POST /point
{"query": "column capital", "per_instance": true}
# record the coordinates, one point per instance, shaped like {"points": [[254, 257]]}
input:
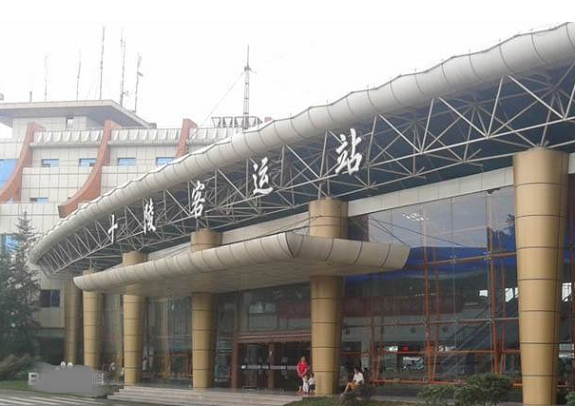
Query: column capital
{"points": [[204, 239], [540, 165], [328, 218], [134, 257]]}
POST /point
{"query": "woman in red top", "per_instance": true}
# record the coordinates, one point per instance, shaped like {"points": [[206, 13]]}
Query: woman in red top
{"points": [[302, 370]]}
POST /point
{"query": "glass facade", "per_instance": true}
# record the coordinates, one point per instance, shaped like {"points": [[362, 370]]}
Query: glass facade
{"points": [[451, 312], [6, 168]]}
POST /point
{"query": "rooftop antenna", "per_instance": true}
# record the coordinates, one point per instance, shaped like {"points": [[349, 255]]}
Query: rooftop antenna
{"points": [[247, 71], [138, 76], [46, 77], [102, 60], [78, 75], [123, 49]]}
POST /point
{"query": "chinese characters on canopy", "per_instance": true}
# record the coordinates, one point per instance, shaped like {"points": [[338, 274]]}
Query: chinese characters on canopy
{"points": [[348, 161]]}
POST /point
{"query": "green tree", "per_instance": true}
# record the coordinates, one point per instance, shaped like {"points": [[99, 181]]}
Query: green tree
{"points": [[19, 291]]}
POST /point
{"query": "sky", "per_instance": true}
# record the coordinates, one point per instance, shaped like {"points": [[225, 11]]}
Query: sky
{"points": [[193, 53]]}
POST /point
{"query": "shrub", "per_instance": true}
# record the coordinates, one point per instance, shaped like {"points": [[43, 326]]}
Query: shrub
{"points": [[437, 395], [495, 387], [362, 394], [470, 395], [570, 399], [12, 366]]}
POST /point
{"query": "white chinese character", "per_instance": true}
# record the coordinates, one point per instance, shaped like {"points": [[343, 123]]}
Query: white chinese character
{"points": [[349, 158], [261, 178], [149, 216], [98, 378], [113, 228], [198, 200]]}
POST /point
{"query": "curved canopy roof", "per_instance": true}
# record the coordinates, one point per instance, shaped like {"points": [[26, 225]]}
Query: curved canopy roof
{"points": [[274, 260], [520, 54]]}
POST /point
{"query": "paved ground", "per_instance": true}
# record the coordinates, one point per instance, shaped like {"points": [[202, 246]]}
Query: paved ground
{"points": [[9, 397]]}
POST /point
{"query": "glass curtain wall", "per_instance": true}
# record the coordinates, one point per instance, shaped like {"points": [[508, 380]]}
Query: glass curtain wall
{"points": [[452, 311]]}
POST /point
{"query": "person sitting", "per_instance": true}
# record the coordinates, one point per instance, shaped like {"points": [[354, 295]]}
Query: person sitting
{"points": [[356, 381]]}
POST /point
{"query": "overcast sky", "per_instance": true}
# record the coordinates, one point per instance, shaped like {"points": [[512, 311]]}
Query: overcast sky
{"points": [[302, 53]]}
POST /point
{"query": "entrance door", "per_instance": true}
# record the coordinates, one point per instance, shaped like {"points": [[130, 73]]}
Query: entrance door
{"points": [[271, 365], [254, 365], [287, 355]]}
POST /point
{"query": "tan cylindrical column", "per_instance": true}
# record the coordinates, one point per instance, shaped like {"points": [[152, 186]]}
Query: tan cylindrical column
{"points": [[92, 307], [328, 218], [202, 339], [541, 188], [203, 325], [204, 239], [133, 326], [71, 321]]}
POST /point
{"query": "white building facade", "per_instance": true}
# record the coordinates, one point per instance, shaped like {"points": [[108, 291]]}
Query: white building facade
{"points": [[63, 154]]}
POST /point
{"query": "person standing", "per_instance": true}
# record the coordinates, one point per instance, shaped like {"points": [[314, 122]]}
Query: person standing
{"points": [[145, 368], [302, 370]]}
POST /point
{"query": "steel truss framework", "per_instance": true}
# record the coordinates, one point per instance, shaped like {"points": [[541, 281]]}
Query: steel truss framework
{"points": [[446, 137]]}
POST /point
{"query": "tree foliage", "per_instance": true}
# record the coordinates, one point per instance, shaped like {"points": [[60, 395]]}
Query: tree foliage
{"points": [[19, 291]]}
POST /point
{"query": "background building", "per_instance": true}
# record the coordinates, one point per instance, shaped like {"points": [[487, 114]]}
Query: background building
{"points": [[62, 154]]}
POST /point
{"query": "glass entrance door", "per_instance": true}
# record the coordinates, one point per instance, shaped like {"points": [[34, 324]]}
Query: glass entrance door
{"points": [[255, 364], [271, 365]]}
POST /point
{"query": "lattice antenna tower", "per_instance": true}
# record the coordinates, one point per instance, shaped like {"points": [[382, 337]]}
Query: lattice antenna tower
{"points": [[247, 71]]}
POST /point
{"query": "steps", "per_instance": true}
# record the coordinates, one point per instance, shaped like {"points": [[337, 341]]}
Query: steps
{"points": [[201, 397]]}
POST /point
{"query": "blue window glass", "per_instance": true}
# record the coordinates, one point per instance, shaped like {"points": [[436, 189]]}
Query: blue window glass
{"points": [[49, 298], [9, 242], [6, 169], [126, 161], [163, 160], [50, 163], [87, 162], [39, 199]]}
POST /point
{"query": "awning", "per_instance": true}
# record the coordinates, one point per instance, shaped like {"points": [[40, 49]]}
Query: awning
{"points": [[274, 260]]}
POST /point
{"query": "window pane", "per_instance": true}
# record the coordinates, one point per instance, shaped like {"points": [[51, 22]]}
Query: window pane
{"points": [[55, 298], [163, 160], [39, 199], [6, 168], [50, 163], [87, 162], [126, 161], [45, 298], [9, 242]]}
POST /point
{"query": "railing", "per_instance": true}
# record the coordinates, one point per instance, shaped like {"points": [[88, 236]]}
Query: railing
{"points": [[80, 136]]}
